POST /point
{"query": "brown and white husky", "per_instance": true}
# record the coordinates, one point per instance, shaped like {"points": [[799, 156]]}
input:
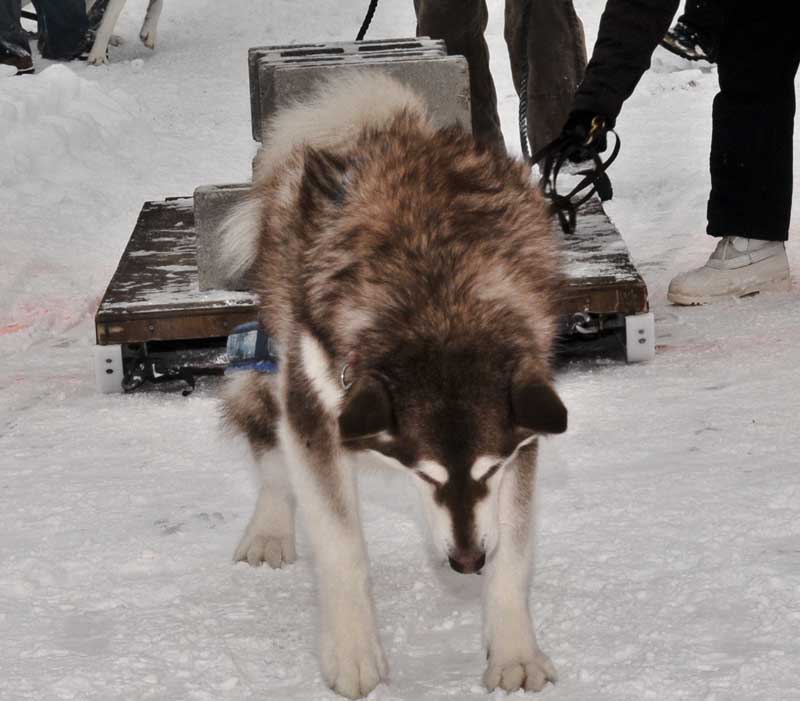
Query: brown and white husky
{"points": [[408, 278]]}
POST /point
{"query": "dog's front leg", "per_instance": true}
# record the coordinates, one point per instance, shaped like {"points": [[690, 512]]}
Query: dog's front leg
{"points": [[150, 25], [98, 53], [352, 659], [514, 658]]}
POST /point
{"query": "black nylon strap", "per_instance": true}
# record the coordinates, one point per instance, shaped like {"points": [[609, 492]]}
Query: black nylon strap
{"points": [[367, 20], [556, 153], [553, 157]]}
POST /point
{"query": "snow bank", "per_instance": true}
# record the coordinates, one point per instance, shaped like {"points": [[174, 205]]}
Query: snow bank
{"points": [[65, 141], [54, 124]]}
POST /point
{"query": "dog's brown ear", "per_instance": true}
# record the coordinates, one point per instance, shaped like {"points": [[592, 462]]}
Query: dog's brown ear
{"points": [[536, 406], [367, 409], [325, 176]]}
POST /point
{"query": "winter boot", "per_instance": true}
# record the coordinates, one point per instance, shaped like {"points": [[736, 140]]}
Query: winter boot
{"points": [[23, 64], [738, 267], [689, 43]]}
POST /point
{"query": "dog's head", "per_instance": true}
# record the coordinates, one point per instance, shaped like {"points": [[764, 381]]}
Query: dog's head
{"points": [[456, 421]]}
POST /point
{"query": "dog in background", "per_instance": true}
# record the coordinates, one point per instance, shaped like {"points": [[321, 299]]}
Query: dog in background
{"points": [[99, 51], [408, 278]]}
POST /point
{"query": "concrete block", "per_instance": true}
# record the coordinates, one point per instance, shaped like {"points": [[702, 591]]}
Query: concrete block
{"points": [[443, 82], [212, 203], [279, 75], [322, 53]]}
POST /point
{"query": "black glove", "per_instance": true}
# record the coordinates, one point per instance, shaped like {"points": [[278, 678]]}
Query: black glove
{"points": [[585, 133], [582, 139]]}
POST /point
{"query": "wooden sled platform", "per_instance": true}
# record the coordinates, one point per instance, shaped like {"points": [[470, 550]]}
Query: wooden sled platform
{"points": [[154, 303], [600, 276], [155, 296]]}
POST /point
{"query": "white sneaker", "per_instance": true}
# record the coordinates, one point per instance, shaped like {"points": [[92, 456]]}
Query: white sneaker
{"points": [[738, 267]]}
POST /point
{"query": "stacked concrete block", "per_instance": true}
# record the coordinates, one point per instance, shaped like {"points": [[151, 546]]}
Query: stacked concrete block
{"points": [[264, 60], [280, 75]]}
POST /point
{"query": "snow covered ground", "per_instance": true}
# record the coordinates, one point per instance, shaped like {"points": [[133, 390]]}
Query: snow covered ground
{"points": [[668, 547]]}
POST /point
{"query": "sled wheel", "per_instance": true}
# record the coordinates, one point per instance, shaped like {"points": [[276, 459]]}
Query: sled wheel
{"points": [[640, 337]]}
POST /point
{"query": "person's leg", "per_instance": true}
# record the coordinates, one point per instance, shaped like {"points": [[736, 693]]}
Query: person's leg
{"points": [[695, 36], [753, 122], [556, 53], [13, 41], [703, 15], [751, 158], [461, 24], [63, 27]]}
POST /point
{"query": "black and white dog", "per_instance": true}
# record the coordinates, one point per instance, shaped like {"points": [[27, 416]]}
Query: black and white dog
{"points": [[408, 277]]}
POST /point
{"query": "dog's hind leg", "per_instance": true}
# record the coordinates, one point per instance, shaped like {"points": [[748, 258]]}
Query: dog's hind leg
{"points": [[514, 658], [150, 25], [352, 659], [251, 409]]}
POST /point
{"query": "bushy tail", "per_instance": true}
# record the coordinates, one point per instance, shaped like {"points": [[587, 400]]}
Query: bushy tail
{"points": [[239, 239], [330, 119], [337, 112]]}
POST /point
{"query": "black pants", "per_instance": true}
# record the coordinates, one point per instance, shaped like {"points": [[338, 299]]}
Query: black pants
{"points": [[556, 55], [753, 121], [62, 28], [703, 15], [12, 39]]}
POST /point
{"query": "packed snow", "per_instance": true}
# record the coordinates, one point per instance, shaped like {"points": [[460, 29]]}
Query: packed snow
{"points": [[668, 531]]}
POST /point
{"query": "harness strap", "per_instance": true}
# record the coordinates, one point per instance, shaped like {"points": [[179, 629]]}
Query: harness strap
{"points": [[553, 157], [367, 20]]}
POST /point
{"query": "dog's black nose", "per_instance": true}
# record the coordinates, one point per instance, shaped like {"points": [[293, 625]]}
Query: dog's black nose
{"points": [[467, 562]]}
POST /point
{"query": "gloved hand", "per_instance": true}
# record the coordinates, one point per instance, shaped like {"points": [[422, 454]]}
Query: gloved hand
{"points": [[582, 139], [585, 132]]}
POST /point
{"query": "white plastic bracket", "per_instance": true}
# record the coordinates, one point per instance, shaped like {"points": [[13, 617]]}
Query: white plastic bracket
{"points": [[640, 337], [108, 371]]}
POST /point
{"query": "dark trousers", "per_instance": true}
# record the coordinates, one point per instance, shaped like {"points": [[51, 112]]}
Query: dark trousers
{"points": [[703, 15], [12, 39], [62, 28], [753, 121], [556, 59]]}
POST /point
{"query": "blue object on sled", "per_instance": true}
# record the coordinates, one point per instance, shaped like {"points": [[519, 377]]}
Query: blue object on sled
{"points": [[251, 348]]}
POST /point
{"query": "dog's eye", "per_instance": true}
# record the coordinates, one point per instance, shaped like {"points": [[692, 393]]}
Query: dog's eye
{"points": [[490, 472], [427, 478]]}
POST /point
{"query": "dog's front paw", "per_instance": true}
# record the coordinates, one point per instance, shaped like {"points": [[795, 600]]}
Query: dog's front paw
{"points": [[353, 664], [276, 551], [96, 58], [530, 671]]}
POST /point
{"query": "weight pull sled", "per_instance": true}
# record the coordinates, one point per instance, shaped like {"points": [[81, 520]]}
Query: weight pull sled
{"points": [[165, 318]]}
